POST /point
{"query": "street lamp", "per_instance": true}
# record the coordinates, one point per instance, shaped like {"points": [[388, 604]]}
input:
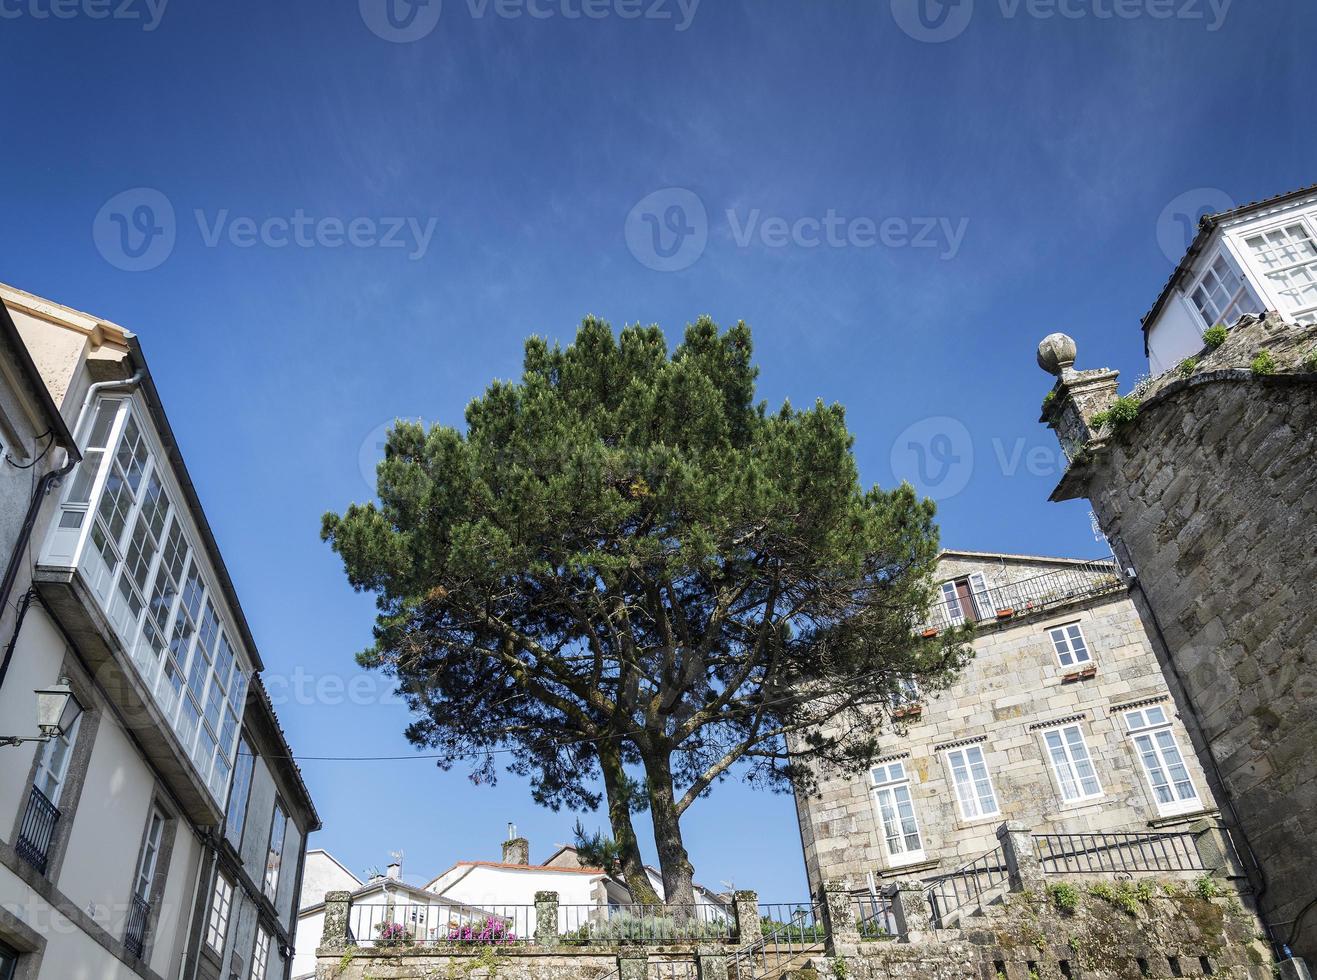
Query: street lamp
{"points": [[57, 710]]}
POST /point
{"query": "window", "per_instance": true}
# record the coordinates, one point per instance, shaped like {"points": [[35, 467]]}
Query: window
{"points": [[1288, 258], [896, 813], [53, 763], [153, 587], [1071, 650], [967, 598], [905, 692], [1075, 775], [146, 865], [1222, 294], [969, 774], [261, 955], [221, 902], [8, 962], [236, 815], [278, 829], [1163, 765]]}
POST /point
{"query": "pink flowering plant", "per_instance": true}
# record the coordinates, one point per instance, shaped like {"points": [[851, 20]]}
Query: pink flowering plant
{"points": [[393, 934], [491, 931]]}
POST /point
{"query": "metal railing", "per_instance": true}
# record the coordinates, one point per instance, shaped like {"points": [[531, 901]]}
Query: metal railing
{"points": [[1116, 853], [788, 934], [653, 925], [38, 831], [874, 917], [134, 936], [1028, 595], [968, 886], [438, 923]]}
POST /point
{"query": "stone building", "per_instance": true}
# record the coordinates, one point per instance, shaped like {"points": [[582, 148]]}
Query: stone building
{"points": [[156, 830], [1063, 721], [1204, 482]]}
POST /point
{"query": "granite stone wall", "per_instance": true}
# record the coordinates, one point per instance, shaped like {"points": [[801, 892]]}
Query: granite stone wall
{"points": [[1168, 930], [1009, 692], [1210, 495]]}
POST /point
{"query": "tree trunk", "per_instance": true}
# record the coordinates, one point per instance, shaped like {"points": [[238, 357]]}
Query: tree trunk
{"points": [[674, 864], [624, 834]]}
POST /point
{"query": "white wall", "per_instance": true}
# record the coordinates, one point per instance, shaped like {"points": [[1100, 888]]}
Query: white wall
{"points": [[310, 926], [324, 874]]}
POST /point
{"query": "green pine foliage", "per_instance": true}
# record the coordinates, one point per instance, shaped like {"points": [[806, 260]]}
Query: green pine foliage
{"points": [[623, 559]]}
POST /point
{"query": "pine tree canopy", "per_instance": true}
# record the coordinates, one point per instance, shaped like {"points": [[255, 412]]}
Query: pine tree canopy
{"points": [[623, 558]]}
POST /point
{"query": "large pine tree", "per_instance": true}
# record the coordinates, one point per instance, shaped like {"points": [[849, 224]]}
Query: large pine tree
{"points": [[624, 564]]}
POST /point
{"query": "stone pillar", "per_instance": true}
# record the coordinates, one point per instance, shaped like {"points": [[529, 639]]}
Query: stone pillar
{"points": [[1294, 969], [1022, 864], [1077, 395], [711, 962], [1213, 847], [633, 964], [746, 904], [334, 936], [910, 908], [839, 915], [546, 918]]}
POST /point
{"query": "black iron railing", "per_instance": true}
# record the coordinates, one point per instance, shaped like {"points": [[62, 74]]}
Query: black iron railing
{"points": [[134, 937], [1076, 581], [966, 887], [1062, 854], [643, 924], [38, 831], [874, 916], [788, 934], [437, 923]]}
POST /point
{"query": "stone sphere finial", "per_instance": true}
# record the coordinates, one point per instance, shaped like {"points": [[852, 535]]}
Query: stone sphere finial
{"points": [[1056, 353]]}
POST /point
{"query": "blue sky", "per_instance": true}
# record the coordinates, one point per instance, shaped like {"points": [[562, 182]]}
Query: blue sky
{"points": [[961, 197]]}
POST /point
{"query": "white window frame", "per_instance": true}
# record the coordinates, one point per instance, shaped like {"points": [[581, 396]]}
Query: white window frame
{"points": [[1209, 279], [261, 954], [150, 857], [1150, 728], [1063, 645], [1071, 776], [221, 908], [124, 569], [892, 790], [53, 761], [1302, 314], [980, 597], [274, 855], [975, 794]]}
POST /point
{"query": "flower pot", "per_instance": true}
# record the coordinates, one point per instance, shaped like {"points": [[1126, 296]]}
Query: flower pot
{"points": [[930, 632], [1006, 613]]}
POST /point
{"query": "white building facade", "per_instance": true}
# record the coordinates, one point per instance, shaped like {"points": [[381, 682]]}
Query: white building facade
{"points": [[116, 845], [1254, 258]]}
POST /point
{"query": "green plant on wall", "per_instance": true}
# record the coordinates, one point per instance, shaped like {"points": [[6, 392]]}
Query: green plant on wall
{"points": [[1207, 888], [1064, 896], [1215, 336], [1187, 367], [1127, 897], [1264, 363], [1122, 412], [1310, 360], [1051, 397]]}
